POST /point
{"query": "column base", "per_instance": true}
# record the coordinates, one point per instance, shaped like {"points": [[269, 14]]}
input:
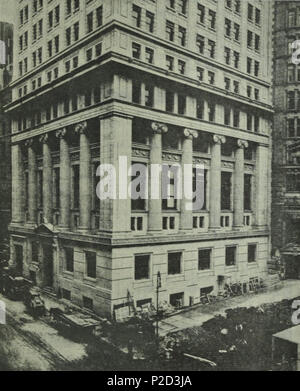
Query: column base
{"points": [[83, 230]]}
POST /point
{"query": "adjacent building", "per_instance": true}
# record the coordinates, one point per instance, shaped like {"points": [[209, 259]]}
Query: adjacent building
{"points": [[286, 147], [157, 82], [6, 66]]}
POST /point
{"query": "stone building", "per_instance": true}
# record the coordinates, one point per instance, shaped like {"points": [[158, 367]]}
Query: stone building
{"points": [[286, 148], [155, 81], [6, 66]]}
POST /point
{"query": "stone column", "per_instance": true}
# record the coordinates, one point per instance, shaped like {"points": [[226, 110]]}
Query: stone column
{"points": [[155, 207], [32, 183], [47, 179], [65, 179], [85, 178], [17, 184], [186, 216], [215, 183], [238, 198], [262, 186], [115, 152]]}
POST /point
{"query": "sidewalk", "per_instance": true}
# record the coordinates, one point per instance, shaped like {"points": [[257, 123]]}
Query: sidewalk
{"points": [[196, 316]]}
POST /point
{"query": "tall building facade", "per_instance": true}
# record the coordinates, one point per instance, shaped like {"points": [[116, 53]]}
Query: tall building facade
{"points": [[286, 149], [6, 67], [156, 82]]}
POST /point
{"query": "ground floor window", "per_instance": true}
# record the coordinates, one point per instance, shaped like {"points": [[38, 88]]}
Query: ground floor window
{"points": [[88, 303], [90, 258], [174, 263], [176, 299], [204, 259], [230, 259], [252, 248], [206, 291], [69, 259], [142, 267], [66, 294]]}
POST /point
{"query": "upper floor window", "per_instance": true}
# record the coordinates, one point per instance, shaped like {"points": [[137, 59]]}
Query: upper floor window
{"points": [[212, 19], [183, 6], [250, 12], [170, 30], [200, 13], [136, 15], [150, 21]]}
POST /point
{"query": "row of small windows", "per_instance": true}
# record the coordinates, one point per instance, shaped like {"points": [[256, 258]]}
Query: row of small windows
{"points": [[91, 53], [142, 263]]}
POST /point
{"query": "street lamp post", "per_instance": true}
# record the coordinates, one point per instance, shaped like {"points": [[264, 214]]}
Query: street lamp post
{"points": [[158, 286]]}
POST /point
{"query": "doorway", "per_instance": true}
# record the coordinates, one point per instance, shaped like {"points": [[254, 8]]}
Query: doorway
{"points": [[48, 265]]}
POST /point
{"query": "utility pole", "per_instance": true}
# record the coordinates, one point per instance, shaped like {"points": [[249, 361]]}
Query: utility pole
{"points": [[158, 286]]}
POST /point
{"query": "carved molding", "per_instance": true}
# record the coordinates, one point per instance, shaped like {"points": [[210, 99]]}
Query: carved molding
{"points": [[44, 138], [159, 128], [81, 128], [190, 134], [242, 144], [61, 133], [171, 157], [137, 152], [219, 139]]}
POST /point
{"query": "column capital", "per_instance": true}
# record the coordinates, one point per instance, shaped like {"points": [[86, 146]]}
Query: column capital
{"points": [[44, 138], [81, 128], [217, 139], [242, 144], [159, 128], [61, 133], [190, 134], [29, 143]]}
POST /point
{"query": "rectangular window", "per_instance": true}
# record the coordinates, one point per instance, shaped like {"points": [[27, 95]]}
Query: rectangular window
{"points": [[252, 249], [90, 259], [201, 13], [136, 50], [228, 28], [68, 36], [249, 121], [182, 35], [230, 259], [249, 39], [170, 28], [236, 118], [249, 65], [169, 101], [200, 73], [250, 12], [99, 16], [183, 6], [76, 31], [69, 259], [211, 111], [236, 32], [227, 114], [200, 43], [136, 15], [226, 190], [212, 19], [204, 259], [257, 16], [149, 55], [141, 267], [211, 77], [56, 197], [211, 48], [76, 179], [90, 19], [174, 263], [136, 92], [87, 303], [181, 67], [150, 21], [149, 95], [247, 192], [227, 55], [66, 294]]}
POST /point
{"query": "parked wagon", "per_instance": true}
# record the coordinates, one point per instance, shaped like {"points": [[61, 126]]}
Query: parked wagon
{"points": [[74, 323]]}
